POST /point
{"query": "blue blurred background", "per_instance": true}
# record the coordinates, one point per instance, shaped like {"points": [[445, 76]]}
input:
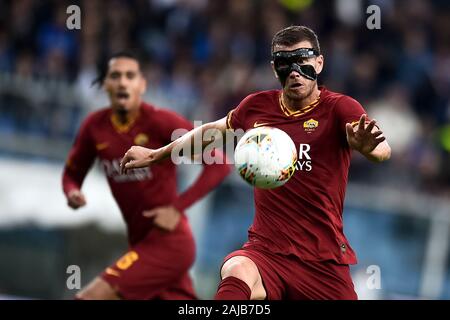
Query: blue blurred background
{"points": [[201, 58]]}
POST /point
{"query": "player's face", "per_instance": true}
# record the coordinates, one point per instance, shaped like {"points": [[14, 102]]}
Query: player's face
{"points": [[124, 84], [298, 87]]}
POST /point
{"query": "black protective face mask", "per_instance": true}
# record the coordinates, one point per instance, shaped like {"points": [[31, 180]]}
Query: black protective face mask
{"points": [[287, 61]]}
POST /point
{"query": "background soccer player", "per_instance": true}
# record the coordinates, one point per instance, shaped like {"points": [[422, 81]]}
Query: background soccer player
{"points": [[161, 244], [296, 247]]}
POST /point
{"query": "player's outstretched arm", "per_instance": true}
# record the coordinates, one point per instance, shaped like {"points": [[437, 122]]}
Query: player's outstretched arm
{"points": [[138, 157], [368, 140]]}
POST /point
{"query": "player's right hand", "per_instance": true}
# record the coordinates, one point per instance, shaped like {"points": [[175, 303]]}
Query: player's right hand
{"points": [[76, 199], [137, 157]]}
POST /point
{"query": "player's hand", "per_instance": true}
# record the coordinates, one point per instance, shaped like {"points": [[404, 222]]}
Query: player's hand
{"points": [[76, 199], [362, 137], [166, 218], [137, 157]]}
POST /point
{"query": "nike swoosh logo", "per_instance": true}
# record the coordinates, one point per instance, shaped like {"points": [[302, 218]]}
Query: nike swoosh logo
{"points": [[256, 125]]}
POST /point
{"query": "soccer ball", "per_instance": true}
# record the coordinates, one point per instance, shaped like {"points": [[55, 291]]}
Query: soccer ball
{"points": [[265, 157]]}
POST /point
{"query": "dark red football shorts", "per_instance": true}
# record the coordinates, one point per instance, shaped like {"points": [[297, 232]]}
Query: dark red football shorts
{"points": [[289, 278], [157, 267]]}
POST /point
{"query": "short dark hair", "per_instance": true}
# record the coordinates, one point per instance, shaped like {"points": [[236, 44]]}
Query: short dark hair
{"points": [[103, 65], [295, 34]]}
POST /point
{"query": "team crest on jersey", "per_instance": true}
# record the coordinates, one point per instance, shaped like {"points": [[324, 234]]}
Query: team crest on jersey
{"points": [[310, 125], [141, 139]]}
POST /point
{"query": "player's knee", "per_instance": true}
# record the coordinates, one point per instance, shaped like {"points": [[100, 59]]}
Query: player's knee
{"points": [[98, 289], [78, 296], [242, 268], [86, 295], [94, 294]]}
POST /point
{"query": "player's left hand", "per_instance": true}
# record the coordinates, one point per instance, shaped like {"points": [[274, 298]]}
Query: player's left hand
{"points": [[166, 218], [362, 137]]}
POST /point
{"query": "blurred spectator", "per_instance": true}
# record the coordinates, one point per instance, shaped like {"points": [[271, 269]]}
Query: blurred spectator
{"points": [[57, 47], [400, 125], [6, 51]]}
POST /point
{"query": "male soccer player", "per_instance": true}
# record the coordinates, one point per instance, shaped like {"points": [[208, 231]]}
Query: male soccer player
{"points": [[161, 246], [296, 247]]}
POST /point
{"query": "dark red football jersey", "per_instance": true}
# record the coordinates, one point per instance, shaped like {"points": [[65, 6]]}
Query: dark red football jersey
{"points": [[102, 136], [304, 216]]}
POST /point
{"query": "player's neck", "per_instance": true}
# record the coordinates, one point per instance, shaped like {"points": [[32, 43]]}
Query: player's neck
{"points": [[126, 117], [296, 105]]}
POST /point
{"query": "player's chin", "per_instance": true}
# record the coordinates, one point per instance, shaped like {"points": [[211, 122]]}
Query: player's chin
{"points": [[296, 93]]}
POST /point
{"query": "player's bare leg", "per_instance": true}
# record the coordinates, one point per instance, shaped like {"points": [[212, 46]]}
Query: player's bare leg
{"points": [[243, 268], [97, 289]]}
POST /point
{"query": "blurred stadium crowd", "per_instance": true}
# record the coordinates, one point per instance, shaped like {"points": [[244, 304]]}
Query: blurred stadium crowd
{"points": [[202, 57]]}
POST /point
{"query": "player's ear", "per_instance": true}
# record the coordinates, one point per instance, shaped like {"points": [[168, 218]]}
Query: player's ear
{"points": [[273, 69], [319, 64]]}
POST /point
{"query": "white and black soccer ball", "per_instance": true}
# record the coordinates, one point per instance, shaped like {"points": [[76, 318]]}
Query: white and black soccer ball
{"points": [[265, 157]]}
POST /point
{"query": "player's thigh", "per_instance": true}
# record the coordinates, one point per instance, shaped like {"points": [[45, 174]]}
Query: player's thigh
{"points": [[167, 252], [182, 289], [245, 269], [318, 280], [152, 266], [97, 289]]}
